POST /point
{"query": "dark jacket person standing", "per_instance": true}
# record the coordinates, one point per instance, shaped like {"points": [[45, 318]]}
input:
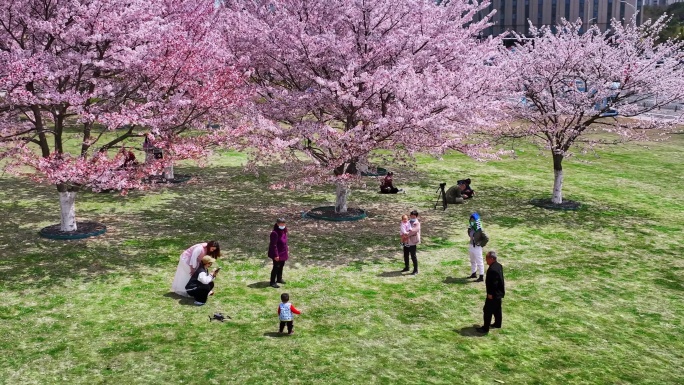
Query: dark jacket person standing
{"points": [[495, 293], [278, 252]]}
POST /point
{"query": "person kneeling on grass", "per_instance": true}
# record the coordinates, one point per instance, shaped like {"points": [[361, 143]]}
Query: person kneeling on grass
{"points": [[201, 283], [285, 314]]}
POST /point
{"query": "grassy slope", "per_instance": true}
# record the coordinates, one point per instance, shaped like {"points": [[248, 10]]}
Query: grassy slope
{"points": [[594, 296]]}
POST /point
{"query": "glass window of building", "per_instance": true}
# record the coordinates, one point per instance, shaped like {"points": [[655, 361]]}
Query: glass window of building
{"points": [[610, 13], [527, 16], [514, 15], [540, 12]]}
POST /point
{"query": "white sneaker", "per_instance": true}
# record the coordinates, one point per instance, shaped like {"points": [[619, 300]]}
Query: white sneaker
{"points": [[198, 303]]}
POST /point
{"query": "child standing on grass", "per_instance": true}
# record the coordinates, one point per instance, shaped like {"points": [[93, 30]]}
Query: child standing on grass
{"points": [[285, 313], [404, 230]]}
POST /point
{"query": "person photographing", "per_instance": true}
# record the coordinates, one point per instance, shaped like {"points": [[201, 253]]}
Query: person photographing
{"points": [[201, 284], [189, 261]]}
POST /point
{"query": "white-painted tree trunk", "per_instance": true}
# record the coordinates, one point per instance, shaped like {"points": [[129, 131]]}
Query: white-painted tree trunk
{"points": [[557, 179], [557, 187], [67, 205], [168, 172], [341, 195]]}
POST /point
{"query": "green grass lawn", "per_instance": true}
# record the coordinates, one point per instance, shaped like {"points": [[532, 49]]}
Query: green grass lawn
{"points": [[593, 296]]}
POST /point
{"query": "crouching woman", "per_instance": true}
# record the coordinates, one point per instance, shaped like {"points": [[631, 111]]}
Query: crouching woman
{"points": [[201, 283]]}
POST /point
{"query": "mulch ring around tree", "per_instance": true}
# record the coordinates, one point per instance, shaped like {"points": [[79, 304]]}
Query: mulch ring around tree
{"points": [[84, 230], [378, 172], [546, 203], [327, 213]]}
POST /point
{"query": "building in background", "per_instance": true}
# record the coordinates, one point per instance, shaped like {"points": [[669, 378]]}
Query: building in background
{"points": [[513, 15], [662, 2]]}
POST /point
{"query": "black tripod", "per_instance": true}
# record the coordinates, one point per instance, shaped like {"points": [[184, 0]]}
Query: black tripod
{"points": [[441, 197]]}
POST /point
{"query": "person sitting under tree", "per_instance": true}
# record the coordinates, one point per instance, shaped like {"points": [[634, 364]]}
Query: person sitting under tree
{"points": [[387, 184], [129, 158]]}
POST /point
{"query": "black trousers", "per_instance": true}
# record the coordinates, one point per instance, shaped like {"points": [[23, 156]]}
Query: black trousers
{"points": [[201, 292], [277, 271], [492, 307], [410, 250], [290, 325]]}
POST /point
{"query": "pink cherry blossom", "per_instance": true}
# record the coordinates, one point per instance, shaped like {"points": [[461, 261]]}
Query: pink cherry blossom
{"points": [[102, 74], [568, 84], [338, 81]]}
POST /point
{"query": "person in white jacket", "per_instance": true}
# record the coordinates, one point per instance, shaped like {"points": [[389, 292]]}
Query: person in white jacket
{"points": [[201, 283]]}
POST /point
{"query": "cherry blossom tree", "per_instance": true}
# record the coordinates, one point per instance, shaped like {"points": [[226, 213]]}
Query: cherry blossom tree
{"points": [[82, 79], [577, 88], [339, 80]]}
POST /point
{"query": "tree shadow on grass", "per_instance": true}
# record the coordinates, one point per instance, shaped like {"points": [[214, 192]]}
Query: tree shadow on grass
{"points": [[143, 231], [149, 229], [461, 281], [510, 208], [47, 263], [28, 260], [242, 214], [470, 331]]}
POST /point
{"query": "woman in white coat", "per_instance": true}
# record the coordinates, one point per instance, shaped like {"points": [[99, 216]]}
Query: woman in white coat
{"points": [[189, 261]]}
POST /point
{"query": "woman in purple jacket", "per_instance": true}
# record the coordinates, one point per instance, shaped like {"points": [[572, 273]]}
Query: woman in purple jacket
{"points": [[277, 251]]}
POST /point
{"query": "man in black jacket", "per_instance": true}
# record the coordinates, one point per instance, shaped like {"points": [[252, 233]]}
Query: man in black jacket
{"points": [[495, 292]]}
